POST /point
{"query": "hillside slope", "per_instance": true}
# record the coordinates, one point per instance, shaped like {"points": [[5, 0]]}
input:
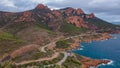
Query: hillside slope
{"points": [[41, 25]]}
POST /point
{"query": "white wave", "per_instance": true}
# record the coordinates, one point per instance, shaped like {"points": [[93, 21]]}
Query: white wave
{"points": [[82, 46], [110, 63], [81, 49], [78, 49]]}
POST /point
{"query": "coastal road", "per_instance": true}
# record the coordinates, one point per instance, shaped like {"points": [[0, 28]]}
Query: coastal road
{"points": [[43, 48], [61, 61], [52, 43], [64, 58], [55, 55]]}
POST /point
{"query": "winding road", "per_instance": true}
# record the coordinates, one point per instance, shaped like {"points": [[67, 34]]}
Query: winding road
{"points": [[55, 55], [64, 58], [52, 43]]}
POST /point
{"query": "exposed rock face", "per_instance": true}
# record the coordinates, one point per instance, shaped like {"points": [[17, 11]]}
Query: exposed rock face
{"points": [[26, 16], [69, 11], [41, 6], [56, 13], [50, 16], [77, 20], [88, 62], [79, 11], [90, 16]]}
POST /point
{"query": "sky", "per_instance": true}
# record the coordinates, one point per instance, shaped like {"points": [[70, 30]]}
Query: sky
{"points": [[108, 10]]}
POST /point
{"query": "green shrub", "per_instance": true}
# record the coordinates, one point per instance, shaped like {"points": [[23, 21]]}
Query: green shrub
{"points": [[71, 63], [71, 29], [70, 40], [62, 44], [46, 28], [10, 37], [39, 26]]}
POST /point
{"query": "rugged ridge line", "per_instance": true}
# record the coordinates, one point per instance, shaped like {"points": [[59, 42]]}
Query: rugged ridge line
{"points": [[53, 18]]}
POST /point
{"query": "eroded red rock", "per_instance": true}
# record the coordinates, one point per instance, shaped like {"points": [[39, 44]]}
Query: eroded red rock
{"points": [[56, 13], [77, 20], [69, 11], [50, 16], [90, 16], [41, 6], [79, 11], [26, 16]]}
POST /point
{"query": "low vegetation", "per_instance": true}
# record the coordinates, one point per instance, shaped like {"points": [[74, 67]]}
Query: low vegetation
{"points": [[16, 27], [70, 40], [46, 28], [9, 37], [9, 42], [102, 25], [44, 63], [7, 64], [62, 44], [33, 55], [71, 29], [71, 63]]}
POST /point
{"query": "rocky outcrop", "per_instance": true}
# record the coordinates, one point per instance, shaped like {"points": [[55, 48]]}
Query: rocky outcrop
{"points": [[79, 11], [77, 21], [69, 11], [92, 63], [90, 16], [26, 17], [41, 6], [56, 13]]}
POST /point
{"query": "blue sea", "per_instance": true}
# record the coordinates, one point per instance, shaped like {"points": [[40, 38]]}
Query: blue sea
{"points": [[107, 49]]}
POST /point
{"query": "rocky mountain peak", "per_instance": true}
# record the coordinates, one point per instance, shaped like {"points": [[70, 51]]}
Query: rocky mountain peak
{"points": [[41, 6], [79, 11]]}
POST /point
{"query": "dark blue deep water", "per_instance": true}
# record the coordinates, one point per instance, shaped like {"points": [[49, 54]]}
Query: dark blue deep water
{"points": [[108, 49]]}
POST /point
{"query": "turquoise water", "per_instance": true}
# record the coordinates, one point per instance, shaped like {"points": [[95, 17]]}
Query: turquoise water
{"points": [[108, 49]]}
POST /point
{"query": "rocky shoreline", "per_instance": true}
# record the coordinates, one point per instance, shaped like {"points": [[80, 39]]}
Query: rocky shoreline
{"points": [[89, 62]]}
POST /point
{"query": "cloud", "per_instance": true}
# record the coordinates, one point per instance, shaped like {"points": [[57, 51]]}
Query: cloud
{"points": [[105, 9], [8, 3]]}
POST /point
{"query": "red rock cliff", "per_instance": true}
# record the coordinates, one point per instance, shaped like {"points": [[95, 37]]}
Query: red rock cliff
{"points": [[77, 20], [79, 11], [26, 16]]}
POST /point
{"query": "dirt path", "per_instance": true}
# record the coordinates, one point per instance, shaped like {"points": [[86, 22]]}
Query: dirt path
{"points": [[39, 60]]}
